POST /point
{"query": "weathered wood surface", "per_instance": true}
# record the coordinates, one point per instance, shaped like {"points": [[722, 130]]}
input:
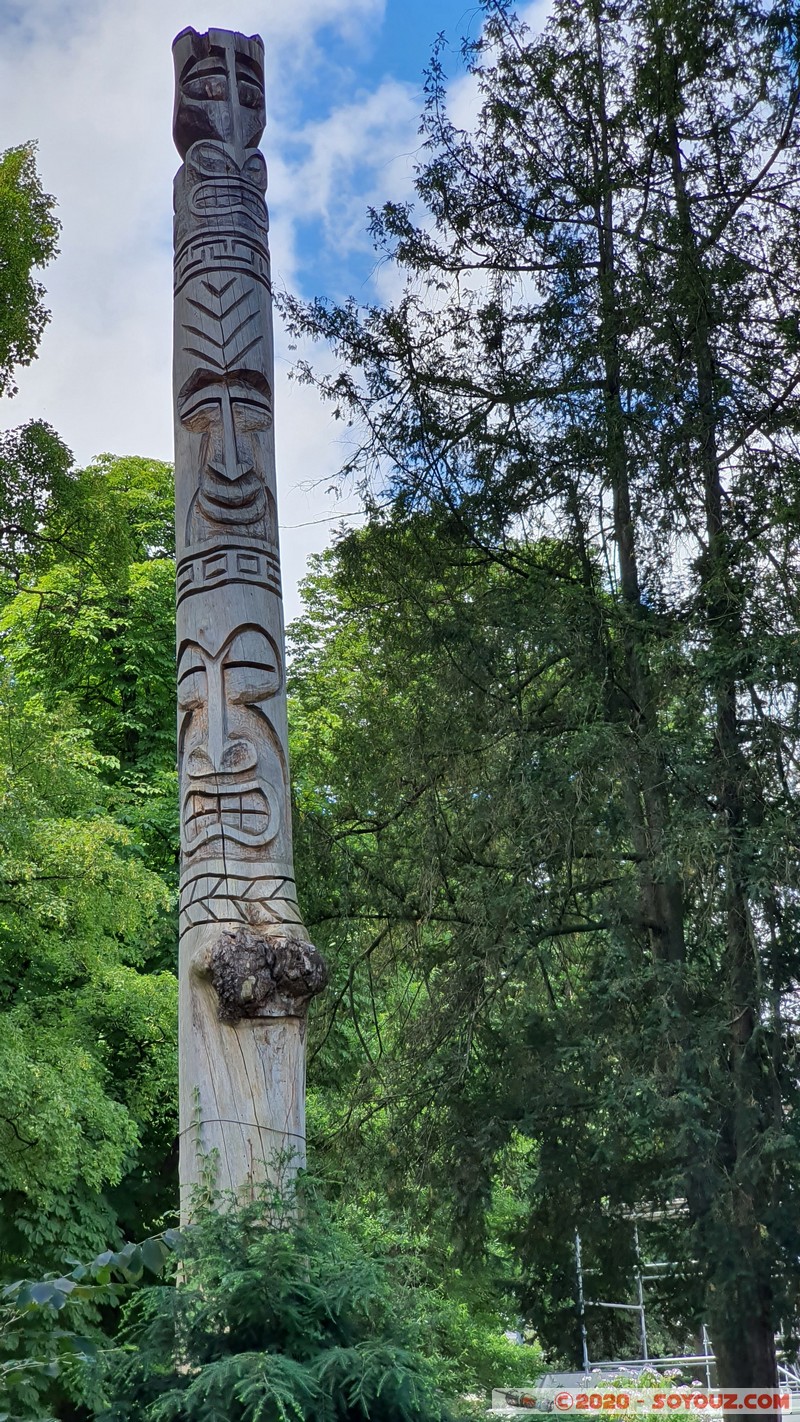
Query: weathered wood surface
{"points": [[247, 971]]}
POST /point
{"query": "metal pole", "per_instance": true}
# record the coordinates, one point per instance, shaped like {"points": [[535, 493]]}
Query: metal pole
{"points": [[640, 1291], [581, 1309], [706, 1341]]}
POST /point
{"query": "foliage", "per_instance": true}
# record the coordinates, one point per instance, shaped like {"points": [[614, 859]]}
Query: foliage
{"points": [[35, 475], [445, 744], [87, 998], [88, 847], [88, 860], [86, 1040], [464, 1331], [579, 882], [92, 625], [282, 1312], [35, 1344], [28, 232]]}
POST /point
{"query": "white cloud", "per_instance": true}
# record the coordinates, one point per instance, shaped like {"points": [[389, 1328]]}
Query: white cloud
{"points": [[92, 83], [91, 80]]}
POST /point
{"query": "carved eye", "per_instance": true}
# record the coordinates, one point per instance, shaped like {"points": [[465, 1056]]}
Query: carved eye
{"points": [[247, 684], [249, 95], [250, 416], [255, 170], [210, 161], [202, 417], [192, 689], [206, 86]]}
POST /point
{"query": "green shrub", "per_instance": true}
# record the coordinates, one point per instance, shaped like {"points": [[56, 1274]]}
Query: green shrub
{"points": [[38, 1322], [279, 1316]]}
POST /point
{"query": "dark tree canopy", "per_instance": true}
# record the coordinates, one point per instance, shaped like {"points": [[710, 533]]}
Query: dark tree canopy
{"points": [[597, 342]]}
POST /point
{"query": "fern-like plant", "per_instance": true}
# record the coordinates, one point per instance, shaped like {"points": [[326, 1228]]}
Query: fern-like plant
{"points": [[279, 1316]]}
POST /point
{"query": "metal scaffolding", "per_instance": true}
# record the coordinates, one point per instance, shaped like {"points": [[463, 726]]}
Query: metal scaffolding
{"points": [[643, 1273], [788, 1370]]}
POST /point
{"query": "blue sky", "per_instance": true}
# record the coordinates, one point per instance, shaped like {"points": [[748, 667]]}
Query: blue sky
{"points": [[396, 42], [406, 32], [396, 46], [91, 82]]}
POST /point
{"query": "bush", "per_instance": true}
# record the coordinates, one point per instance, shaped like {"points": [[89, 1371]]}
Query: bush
{"points": [[38, 1320], [279, 1316]]}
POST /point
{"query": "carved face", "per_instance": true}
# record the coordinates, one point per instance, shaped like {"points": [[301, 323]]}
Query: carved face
{"points": [[219, 89], [232, 775], [220, 189], [228, 413]]}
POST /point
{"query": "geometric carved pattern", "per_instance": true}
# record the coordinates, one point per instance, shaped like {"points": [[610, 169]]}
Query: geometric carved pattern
{"points": [[235, 815], [205, 254], [228, 327], [200, 571], [228, 897]]}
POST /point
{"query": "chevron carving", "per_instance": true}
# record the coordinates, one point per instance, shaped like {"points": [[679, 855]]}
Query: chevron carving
{"points": [[228, 322]]}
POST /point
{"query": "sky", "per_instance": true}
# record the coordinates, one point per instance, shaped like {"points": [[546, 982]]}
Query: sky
{"points": [[91, 81]]}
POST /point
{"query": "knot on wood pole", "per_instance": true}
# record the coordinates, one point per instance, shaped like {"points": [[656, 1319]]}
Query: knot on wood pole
{"points": [[256, 975]]}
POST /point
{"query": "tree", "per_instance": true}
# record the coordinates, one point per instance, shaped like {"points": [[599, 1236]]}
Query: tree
{"points": [[91, 622], [35, 1345], [86, 1038], [471, 877], [28, 233], [598, 339], [87, 826], [35, 475], [286, 1308], [89, 864]]}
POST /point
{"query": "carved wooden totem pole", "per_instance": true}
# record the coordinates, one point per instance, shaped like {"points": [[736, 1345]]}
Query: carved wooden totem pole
{"points": [[247, 970]]}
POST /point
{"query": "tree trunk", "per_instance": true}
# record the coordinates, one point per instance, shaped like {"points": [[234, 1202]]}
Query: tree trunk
{"points": [[647, 796], [743, 1326]]}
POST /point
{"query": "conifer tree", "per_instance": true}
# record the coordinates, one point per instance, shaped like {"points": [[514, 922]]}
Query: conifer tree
{"points": [[598, 338]]}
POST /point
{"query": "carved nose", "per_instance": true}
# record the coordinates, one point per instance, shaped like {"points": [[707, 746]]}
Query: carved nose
{"points": [[229, 471], [236, 757]]}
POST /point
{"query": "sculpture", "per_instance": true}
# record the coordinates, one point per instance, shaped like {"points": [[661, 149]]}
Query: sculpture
{"points": [[247, 970]]}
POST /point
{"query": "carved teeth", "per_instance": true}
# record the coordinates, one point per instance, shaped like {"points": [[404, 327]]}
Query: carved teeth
{"points": [[244, 811]]}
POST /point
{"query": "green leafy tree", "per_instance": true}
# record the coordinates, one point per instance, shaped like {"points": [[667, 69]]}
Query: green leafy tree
{"points": [[28, 234], [35, 475], [597, 341], [40, 1319], [284, 1312], [86, 1039], [87, 833], [92, 624], [88, 937]]}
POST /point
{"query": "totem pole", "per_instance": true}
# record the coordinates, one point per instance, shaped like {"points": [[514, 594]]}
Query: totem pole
{"points": [[247, 970]]}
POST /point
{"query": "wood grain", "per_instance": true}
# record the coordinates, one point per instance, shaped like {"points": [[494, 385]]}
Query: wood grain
{"points": [[247, 971]]}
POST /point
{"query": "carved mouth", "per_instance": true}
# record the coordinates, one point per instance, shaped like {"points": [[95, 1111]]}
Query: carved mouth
{"points": [[237, 499], [243, 815], [225, 195]]}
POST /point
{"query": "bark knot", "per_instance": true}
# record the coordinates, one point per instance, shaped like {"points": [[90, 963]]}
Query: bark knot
{"points": [[264, 976]]}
